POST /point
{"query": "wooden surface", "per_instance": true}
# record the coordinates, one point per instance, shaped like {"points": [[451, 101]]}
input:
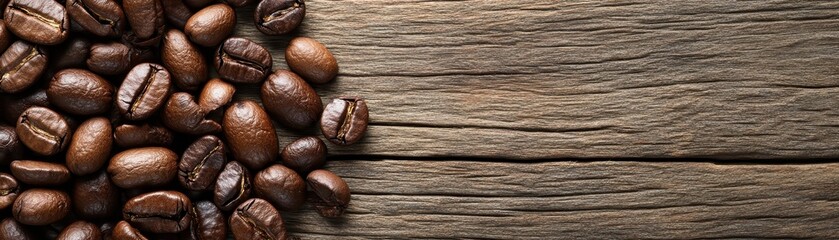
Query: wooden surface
{"points": [[534, 119]]}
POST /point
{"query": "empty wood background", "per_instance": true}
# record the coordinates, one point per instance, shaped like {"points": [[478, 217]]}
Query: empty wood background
{"points": [[543, 119]]}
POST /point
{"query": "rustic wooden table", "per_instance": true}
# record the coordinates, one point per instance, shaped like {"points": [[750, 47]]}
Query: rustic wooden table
{"points": [[537, 119]]}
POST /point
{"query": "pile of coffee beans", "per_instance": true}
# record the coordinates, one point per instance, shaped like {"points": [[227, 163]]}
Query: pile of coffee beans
{"points": [[122, 121]]}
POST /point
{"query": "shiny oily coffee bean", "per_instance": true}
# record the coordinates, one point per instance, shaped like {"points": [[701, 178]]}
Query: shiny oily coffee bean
{"points": [[311, 59], [250, 134], [333, 194], [146, 135], [233, 186], [95, 197], [184, 60], [240, 60], [216, 94], [11, 229], [115, 58], [6, 37], [102, 18], [211, 25], [41, 207], [290, 100], [276, 17], [159, 212], [71, 54], [80, 230], [9, 189], [208, 222], [182, 114], [90, 147], [201, 163], [39, 173], [143, 92], [143, 167], [124, 231], [20, 66], [304, 154], [80, 92], [43, 131], [257, 219], [344, 121], [281, 186], [146, 20], [10, 146], [37, 21], [17, 103]]}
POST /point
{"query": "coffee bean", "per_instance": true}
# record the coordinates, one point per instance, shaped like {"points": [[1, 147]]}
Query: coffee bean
{"points": [[333, 194], [344, 121], [20, 66], [182, 114], [281, 186], [304, 154], [80, 92], [216, 94], [238, 3], [40, 207], [6, 37], [102, 18], [250, 134], [143, 167], [143, 92], [39, 173], [80, 230], [146, 20], [257, 219], [233, 186], [10, 146], [95, 197], [90, 147], [11, 229], [240, 60], [276, 17], [177, 13], [43, 131], [312, 60], [159, 212], [208, 222], [71, 54], [37, 21], [124, 231], [17, 103], [290, 100], [107, 230], [115, 58], [201, 163], [183, 60], [9, 189], [210, 26], [146, 135]]}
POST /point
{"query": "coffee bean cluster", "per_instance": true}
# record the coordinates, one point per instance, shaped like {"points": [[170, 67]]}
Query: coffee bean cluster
{"points": [[122, 121]]}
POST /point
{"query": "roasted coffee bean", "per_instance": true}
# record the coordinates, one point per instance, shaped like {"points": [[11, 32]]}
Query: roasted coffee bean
{"points": [[281, 186], [333, 194], [21, 65], [143, 167], [39, 173], [177, 13], [71, 54], [210, 26], [290, 100], [131, 136], [10, 146], [80, 92], [91, 146], [115, 58], [107, 230], [233, 186], [250, 134], [80, 230], [38, 21], [43, 131], [201, 163], [276, 17], [95, 197], [17, 103], [344, 121], [208, 222], [240, 60], [6, 37], [216, 94], [238, 3], [124, 231], [40, 207], [257, 219], [159, 212], [183, 60], [146, 20], [9, 189], [102, 18], [304, 154], [311, 59], [182, 114], [143, 92], [11, 229]]}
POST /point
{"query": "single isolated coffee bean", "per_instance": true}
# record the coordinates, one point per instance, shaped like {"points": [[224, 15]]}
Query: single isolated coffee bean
{"points": [[80, 92], [176, 12], [159, 212], [143, 92], [332, 193], [281, 186], [311, 59], [43, 131], [37, 21], [115, 58], [276, 17], [11, 229], [215, 95], [233, 186], [183, 60], [6, 37], [143, 167], [17, 103], [9, 189], [10, 146], [201, 163], [182, 114], [146, 135], [240, 60], [257, 219], [344, 121], [250, 135], [210, 26], [290, 100], [91, 146], [71, 54], [39, 173], [20, 66], [80, 230], [304, 154], [146, 20], [41, 207], [208, 222], [124, 231], [102, 18], [95, 197]]}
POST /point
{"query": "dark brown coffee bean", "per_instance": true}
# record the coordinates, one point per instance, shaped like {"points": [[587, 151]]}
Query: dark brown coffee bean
{"points": [[6, 37], [95, 197], [257, 219], [9, 189], [216, 94], [11, 229], [10, 146], [143, 92], [233, 186], [182, 114], [250, 135], [238, 3], [201, 163], [20, 66], [80, 230], [80, 92], [304, 154], [210, 26], [240, 60], [290, 100], [71, 54], [183, 60], [102, 18], [17, 103], [107, 230], [311, 59], [41, 206], [115, 58], [38, 21], [344, 121], [159, 212], [177, 13], [208, 222], [124, 231], [146, 20], [143, 167], [91, 146], [281, 186], [276, 17], [131, 136], [39, 173], [43, 131], [333, 194]]}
